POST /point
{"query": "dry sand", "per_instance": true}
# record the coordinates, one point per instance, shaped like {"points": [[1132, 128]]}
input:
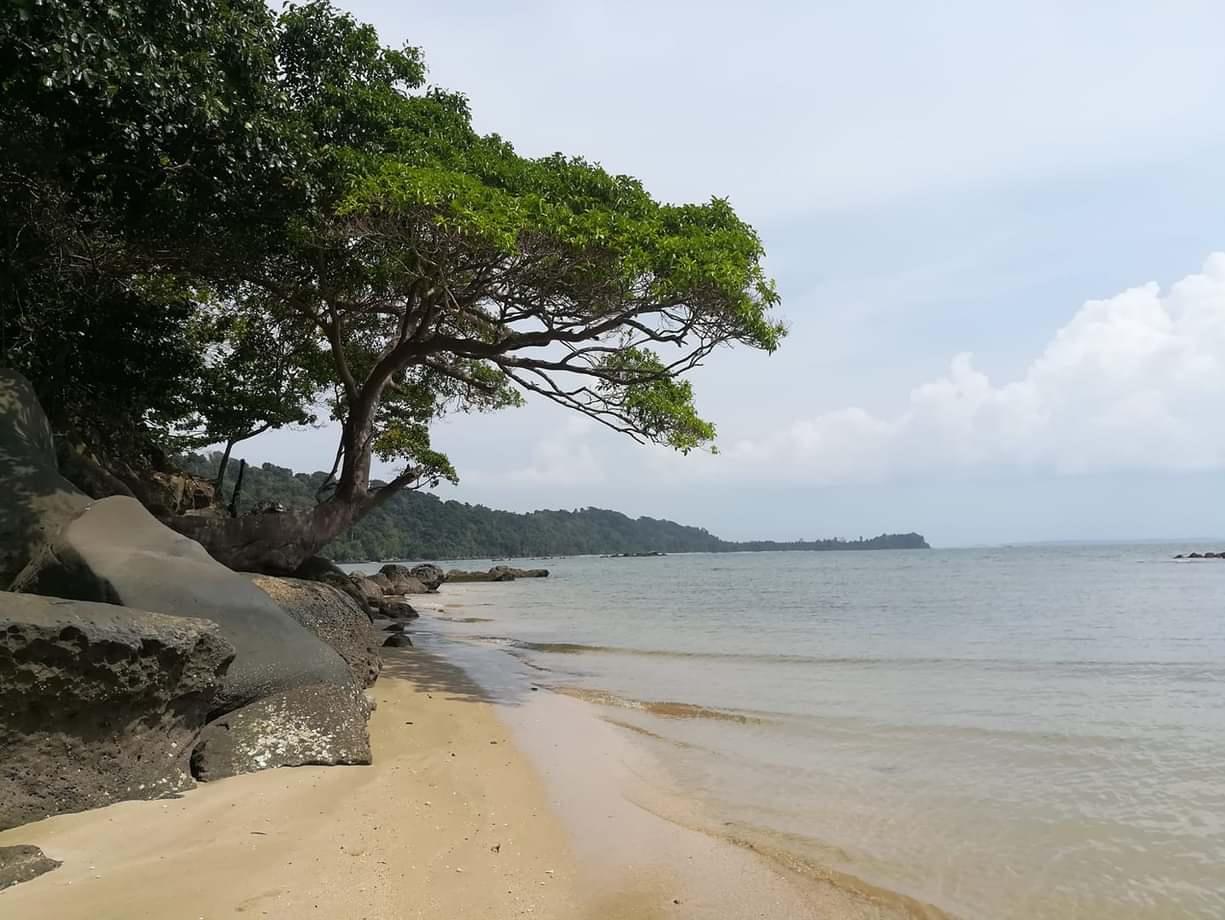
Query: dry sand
{"points": [[470, 810]]}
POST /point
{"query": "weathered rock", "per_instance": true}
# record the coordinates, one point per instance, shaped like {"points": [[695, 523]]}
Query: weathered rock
{"points": [[402, 580], [397, 640], [99, 703], [370, 590], [429, 575], [399, 610], [383, 582], [458, 576], [331, 615], [322, 724], [396, 628], [497, 573], [522, 573], [23, 862], [35, 500], [115, 551], [317, 568]]}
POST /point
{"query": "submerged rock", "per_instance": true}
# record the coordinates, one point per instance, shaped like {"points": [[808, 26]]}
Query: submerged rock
{"points": [[99, 703], [497, 573], [23, 862], [331, 615], [397, 640], [323, 725]]}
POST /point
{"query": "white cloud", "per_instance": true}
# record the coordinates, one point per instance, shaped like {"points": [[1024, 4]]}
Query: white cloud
{"points": [[565, 457], [1136, 381]]}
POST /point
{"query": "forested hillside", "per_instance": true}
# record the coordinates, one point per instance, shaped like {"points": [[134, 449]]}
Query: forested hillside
{"points": [[419, 525]]}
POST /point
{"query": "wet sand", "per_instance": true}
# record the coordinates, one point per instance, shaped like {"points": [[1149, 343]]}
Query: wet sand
{"points": [[479, 805]]}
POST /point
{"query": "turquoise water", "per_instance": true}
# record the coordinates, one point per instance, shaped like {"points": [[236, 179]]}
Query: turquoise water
{"points": [[1002, 733]]}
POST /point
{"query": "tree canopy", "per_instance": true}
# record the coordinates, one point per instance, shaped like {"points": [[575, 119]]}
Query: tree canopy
{"points": [[336, 234]]}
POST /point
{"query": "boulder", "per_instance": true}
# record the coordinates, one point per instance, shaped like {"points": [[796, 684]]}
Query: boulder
{"points": [[35, 500], [521, 573], [99, 703], [382, 581], [399, 610], [396, 628], [429, 575], [322, 724], [458, 576], [370, 590], [115, 551], [397, 640], [22, 863], [331, 615], [402, 580], [317, 568]]}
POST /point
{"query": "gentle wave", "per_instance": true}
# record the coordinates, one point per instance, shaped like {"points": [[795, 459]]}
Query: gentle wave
{"points": [[1210, 670], [665, 708]]}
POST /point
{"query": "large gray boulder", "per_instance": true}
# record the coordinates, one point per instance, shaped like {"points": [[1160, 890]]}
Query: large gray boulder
{"points": [[323, 724], [429, 575], [370, 590], [402, 580], [331, 615], [99, 703], [116, 552], [35, 500]]}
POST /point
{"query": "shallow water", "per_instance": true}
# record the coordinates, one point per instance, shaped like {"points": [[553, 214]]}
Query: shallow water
{"points": [[1002, 733]]}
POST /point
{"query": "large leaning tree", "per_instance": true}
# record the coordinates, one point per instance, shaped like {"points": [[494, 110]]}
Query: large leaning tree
{"points": [[441, 271]]}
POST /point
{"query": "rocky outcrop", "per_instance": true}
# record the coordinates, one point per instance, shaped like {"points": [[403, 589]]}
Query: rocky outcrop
{"points": [[35, 500], [429, 575], [497, 573], [331, 615], [23, 862], [399, 610], [116, 552], [317, 568], [112, 709], [370, 590], [322, 724], [402, 580], [99, 703]]}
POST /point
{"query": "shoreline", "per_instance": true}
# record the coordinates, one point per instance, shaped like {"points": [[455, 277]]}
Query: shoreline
{"points": [[485, 799]]}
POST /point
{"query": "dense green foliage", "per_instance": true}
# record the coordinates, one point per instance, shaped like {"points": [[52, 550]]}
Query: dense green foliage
{"points": [[282, 218], [419, 525], [138, 141]]}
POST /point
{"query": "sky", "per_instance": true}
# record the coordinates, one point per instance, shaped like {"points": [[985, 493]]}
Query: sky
{"points": [[998, 231]]}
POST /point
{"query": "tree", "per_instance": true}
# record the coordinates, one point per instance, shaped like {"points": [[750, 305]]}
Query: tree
{"points": [[257, 376], [143, 145], [446, 272]]}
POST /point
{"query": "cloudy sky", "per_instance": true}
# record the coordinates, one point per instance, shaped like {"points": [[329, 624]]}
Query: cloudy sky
{"points": [[999, 234]]}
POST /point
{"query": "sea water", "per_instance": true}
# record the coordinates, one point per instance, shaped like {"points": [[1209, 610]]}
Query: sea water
{"points": [[1033, 732]]}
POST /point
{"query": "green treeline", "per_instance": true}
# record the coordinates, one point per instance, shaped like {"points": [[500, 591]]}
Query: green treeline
{"points": [[419, 525]]}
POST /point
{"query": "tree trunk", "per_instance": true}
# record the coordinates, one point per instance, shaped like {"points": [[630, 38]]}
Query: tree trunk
{"points": [[225, 463], [272, 543]]}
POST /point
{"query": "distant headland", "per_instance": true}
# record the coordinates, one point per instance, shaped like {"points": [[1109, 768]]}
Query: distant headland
{"points": [[419, 525]]}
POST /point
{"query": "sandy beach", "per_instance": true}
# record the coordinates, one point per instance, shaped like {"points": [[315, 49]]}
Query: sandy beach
{"points": [[477, 806]]}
